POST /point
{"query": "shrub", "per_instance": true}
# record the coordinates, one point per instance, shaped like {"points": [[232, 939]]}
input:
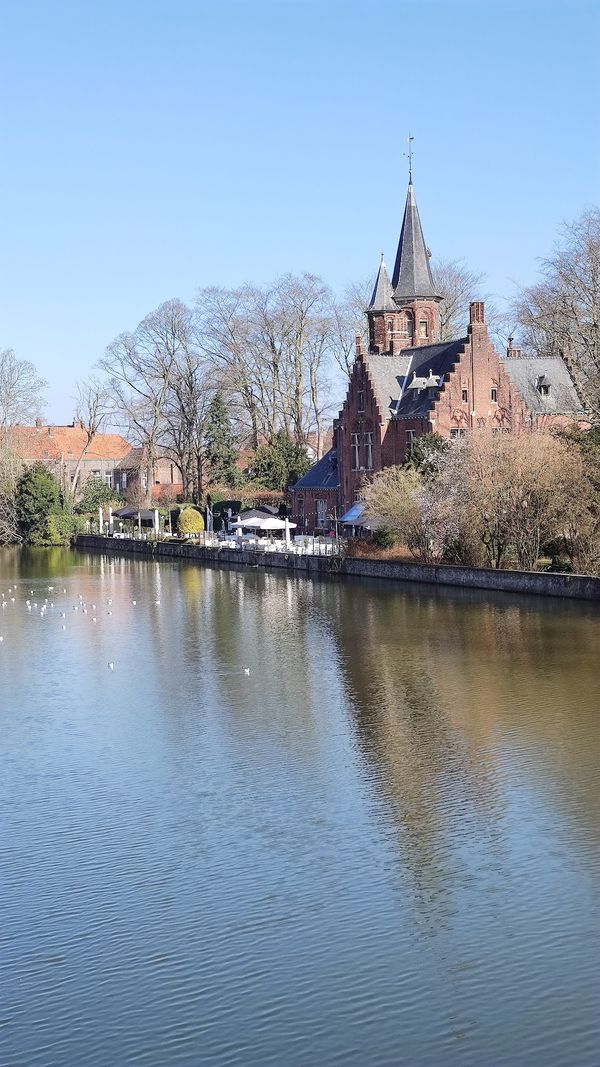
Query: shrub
{"points": [[57, 529], [384, 537], [190, 521]]}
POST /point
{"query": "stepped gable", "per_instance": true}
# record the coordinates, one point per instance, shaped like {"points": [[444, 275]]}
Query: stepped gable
{"points": [[428, 368], [386, 375], [427, 365]]}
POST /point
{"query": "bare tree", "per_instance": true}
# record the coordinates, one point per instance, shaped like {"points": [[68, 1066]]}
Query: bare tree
{"points": [[224, 330], [349, 317], [561, 314], [21, 390], [91, 412], [492, 498], [140, 367], [272, 348], [457, 285], [184, 419]]}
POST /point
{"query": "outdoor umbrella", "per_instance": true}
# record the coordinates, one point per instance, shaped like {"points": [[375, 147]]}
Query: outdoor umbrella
{"points": [[273, 524], [253, 523]]}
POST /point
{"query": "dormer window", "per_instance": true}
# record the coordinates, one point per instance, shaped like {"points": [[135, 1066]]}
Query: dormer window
{"points": [[542, 385]]}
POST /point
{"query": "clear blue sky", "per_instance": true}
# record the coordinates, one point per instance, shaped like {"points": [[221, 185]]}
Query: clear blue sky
{"points": [[150, 147]]}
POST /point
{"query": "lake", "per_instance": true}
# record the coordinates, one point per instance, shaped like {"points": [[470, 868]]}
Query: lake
{"points": [[296, 822]]}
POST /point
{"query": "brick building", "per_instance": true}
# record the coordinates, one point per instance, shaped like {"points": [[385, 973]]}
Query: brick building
{"points": [[109, 458], [60, 449], [410, 383]]}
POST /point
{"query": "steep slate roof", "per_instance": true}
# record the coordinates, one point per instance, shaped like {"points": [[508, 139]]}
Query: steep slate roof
{"points": [[382, 299], [412, 273], [387, 374], [526, 371], [67, 442], [391, 377], [323, 475]]}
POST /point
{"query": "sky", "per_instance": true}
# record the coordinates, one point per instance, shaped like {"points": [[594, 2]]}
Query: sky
{"points": [[152, 147]]}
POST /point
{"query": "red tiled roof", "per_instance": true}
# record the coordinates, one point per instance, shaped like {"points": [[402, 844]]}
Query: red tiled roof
{"points": [[67, 442]]}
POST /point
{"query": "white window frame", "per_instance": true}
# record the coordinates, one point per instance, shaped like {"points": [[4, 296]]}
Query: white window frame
{"points": [[369, 450]]}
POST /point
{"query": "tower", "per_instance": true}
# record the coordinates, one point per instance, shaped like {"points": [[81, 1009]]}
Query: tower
{"points": [[404, 312]]}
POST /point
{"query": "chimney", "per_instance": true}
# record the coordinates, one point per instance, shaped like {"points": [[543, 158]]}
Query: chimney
{"points": [[49, 431], [476, 313], [512, 353]]}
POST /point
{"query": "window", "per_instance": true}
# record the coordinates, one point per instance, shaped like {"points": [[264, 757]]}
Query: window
{"points": [[361, 401], [458, 431], [320, 513], [423, 328], [301, 508], [108, 477], [494, 395], [355, 451], [464, 395], [410, 439], [124, 480], [356, 499], [542, 385], [390, 326], [369, 451], [406, 327], [95, 474]]}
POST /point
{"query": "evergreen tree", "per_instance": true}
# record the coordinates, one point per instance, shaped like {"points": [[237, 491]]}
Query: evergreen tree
{"points": [[425, 452], [220, 450], [280, 462], [37, 497]]}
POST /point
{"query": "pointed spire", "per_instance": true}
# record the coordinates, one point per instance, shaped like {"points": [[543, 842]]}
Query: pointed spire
{"points": [[412, 273], [382, 293]]}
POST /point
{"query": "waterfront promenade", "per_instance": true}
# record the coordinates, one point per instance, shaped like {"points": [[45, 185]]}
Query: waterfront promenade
{"points": [[536, 583]]}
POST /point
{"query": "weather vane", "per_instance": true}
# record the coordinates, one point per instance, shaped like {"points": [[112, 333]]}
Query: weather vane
{"points": [[409, 139]]}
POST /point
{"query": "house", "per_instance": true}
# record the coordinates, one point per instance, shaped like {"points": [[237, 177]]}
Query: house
{"points": [[130, 477], [110, 458], [410, 382], [60, 449]]}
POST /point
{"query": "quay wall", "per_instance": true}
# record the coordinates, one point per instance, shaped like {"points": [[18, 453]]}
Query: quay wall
{"points": [[581, 587]]}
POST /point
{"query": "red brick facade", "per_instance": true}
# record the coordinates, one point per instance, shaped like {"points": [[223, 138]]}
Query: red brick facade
{"points": [[410, 383]]}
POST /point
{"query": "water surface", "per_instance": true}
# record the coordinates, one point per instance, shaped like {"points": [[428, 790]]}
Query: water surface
{"points": [[378, 847]]}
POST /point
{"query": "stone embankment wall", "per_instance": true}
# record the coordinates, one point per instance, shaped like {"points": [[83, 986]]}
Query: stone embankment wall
{"points": [[581, 587]]}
